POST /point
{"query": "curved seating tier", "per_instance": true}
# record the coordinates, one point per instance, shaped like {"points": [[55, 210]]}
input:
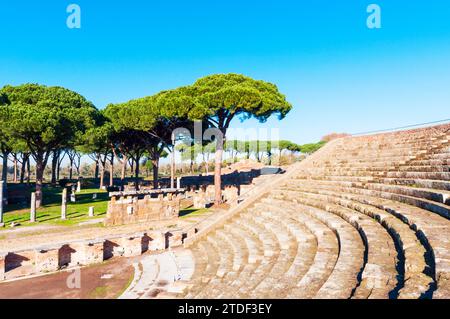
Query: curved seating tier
{"points": [[364, 217]]}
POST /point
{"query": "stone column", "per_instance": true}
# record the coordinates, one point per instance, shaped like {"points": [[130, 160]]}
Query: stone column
{"points": [[33, 208], [64, 204], [1, 203], [91, 211], [172, 162], [178, 182]]}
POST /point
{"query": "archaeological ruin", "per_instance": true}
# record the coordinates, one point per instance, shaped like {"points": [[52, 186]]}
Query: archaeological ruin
{"points": [[363, 217]]}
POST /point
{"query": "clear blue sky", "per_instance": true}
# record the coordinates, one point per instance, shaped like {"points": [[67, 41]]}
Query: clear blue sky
{"points": [[338, 74]]}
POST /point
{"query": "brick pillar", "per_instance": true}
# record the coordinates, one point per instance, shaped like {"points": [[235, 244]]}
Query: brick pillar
{"points": [[64, 204], [132, 245], [157, 241], [46, 259], [190, 233], [33, 208], [174, 239], [93, 252]]}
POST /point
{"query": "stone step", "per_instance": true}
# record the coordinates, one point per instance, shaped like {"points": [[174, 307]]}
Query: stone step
{"points": [[255, 257], [382, 255], [432, 229], [200, 279], [439, 196], [432, 206], [225, 265], [423, 183], [408, 243], [271, 253], [162, 274], [303, 257], [324, 259], [272, 285], [351, 255], [421, 175], [430, 162]]}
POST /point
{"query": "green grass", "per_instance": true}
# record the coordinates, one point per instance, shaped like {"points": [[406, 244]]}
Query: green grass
{"points": [[189, 212], [129, 282], [50, 213], [99, 292]]}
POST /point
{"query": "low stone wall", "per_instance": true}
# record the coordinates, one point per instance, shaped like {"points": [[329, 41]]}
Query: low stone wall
{"points": [[133, 210], [43, 260]]}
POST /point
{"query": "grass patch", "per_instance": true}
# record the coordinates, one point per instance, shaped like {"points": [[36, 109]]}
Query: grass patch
{"points": [[50, 212], [189, 212], [125, 287], [99, 292]]}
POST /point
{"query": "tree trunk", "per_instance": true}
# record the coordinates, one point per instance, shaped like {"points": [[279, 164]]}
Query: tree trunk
{"points": [[55, 159], [123, 169], [40, 167], [15, 168], [28, 170], [71, 169], [23, 167], [111, 171], [132, 166], [58, 170], [78, 165], [102, 164], [155, 168], [5, 168], [96, 167], [218, 171], [172, 167], [136, 172]]}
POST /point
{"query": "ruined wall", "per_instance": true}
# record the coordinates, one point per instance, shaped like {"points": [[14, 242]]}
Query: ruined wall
{"points": [[82, 253], [133, 210]]}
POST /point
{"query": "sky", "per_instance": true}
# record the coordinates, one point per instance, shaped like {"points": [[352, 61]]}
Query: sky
{"points": [[339, 75]]}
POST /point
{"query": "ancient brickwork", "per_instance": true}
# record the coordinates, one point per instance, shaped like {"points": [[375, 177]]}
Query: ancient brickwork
{"points": [[82, 253], [134, 210]]}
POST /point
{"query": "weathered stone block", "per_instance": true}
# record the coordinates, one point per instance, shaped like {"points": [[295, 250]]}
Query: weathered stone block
{"points": [[190, 233], [113, 248], [156, 241], [46, 259], [93, 252], [210, 192], [134, 210], [132, 245], [199, 200], [174, 239], [231, 195]]}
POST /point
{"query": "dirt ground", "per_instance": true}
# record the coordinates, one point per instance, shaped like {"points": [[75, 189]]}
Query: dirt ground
{"points": [[103, 281]]}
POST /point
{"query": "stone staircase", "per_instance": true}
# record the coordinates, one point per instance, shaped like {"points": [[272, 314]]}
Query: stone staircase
{"points": [[364, 217]]}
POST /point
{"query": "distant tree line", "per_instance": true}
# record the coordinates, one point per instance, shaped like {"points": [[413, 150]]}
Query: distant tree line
{"points": [[49, 124]]}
